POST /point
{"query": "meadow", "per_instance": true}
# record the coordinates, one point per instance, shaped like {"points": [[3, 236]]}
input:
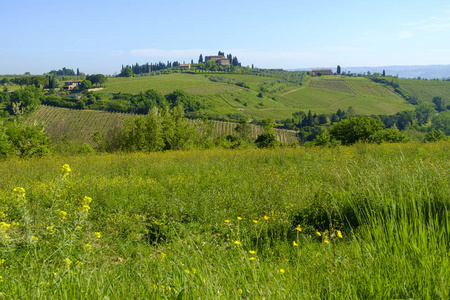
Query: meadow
{"points": [[360, 222]]}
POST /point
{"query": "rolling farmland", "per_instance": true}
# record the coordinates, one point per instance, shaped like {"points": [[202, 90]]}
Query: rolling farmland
{"points": [[80, 125]]}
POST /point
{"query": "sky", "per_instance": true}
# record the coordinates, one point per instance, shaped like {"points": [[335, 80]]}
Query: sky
{"points": [[100, 36]]}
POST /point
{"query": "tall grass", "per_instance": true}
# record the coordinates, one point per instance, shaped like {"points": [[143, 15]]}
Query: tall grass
{"points": [[230, 224]]}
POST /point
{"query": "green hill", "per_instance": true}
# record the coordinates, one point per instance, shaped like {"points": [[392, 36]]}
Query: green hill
{"points": [[426, 90], [233, 96]]}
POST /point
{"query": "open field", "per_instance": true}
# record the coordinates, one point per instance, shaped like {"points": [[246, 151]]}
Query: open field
{"points": [[426, 90], [327, 96], [194, 84], [229, 224], [80, 125]]}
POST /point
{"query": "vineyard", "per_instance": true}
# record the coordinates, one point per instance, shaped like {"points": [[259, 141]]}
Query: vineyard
{"points": [[332, 85], [80, 125]]}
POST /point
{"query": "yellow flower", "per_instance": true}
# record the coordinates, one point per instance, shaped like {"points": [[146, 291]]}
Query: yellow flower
{"points": [[282, 271], [4, 226], [15, 224], [339, 234], [237, 243], [253, 252], [239, 218], [294, 244], [86, 208], [50, 229], [35, 239], [187, 271], [79, 263], [252, 258], [318, 233], [1, 279], [97, 235], [86, 200], [163, 255], [326, 241], [67, 261], [298, 228], [62, 214], [239, 292], [227, 221], [79, 227], [65, 170], [88, 247], [2, 261], [266, 218], [19, 191], [255, 221]]}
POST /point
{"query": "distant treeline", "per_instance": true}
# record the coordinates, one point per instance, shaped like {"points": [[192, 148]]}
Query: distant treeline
{"points": [[151, 67]]}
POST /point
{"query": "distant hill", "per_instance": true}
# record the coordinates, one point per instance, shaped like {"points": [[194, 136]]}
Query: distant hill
{"points": [[429, 71]]}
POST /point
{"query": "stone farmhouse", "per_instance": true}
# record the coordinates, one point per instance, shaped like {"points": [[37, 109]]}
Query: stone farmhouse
{"points": [[219, 59], [185, 66], [314, 72], [71, 84]]}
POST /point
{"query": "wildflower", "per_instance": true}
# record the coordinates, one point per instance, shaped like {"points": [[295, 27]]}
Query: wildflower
{"points": [[88, 247], [194, 270], [237, 243], [339, 234], [163, 255], [50, 229], [326, 241], [2, 261], [255, 221], [318, 233], [15, 224], [86, 208], [187, 271], [239, 291], [97, 235], [19, 191], [1, 279], [86, 200], [282, 271], [227, 221], [67, 261], [266, 218], [62, 214], [35, 239], [4, 226], [239, 218], [294, 244], [298, 228], [252, 258], [79, 227], [65, 170], [253, 252]]}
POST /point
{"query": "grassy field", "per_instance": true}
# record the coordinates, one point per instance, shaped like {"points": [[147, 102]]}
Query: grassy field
{"points": [[194, 84], [426, 90], [361, 222], [328, 95]]}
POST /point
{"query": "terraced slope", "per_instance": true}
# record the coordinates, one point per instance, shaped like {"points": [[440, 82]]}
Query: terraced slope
{"points": [[426, 90]]}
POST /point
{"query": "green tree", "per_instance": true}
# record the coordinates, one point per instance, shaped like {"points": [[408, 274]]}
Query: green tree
{"points": [[435, 135], [85, 85], [25, 100], [439, 103], [200, 59], [338, 71], [354, 129], [243, 129], [389, 135], [441, 121], [126, 72], [424, 112]]}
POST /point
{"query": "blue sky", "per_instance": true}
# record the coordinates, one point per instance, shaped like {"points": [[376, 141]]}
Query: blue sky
{"points": [[100, 36]]}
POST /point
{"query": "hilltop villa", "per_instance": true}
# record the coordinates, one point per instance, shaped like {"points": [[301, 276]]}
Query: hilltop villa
{"points": [[321, 71], [220, 59]]}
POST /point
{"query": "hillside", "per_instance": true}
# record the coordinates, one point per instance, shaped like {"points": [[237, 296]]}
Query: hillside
{"points": [[233, 96], [80, 125], [425, 90]]}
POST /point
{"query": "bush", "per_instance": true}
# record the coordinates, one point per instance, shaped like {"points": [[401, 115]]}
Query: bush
{"points": [[351, 130]]}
